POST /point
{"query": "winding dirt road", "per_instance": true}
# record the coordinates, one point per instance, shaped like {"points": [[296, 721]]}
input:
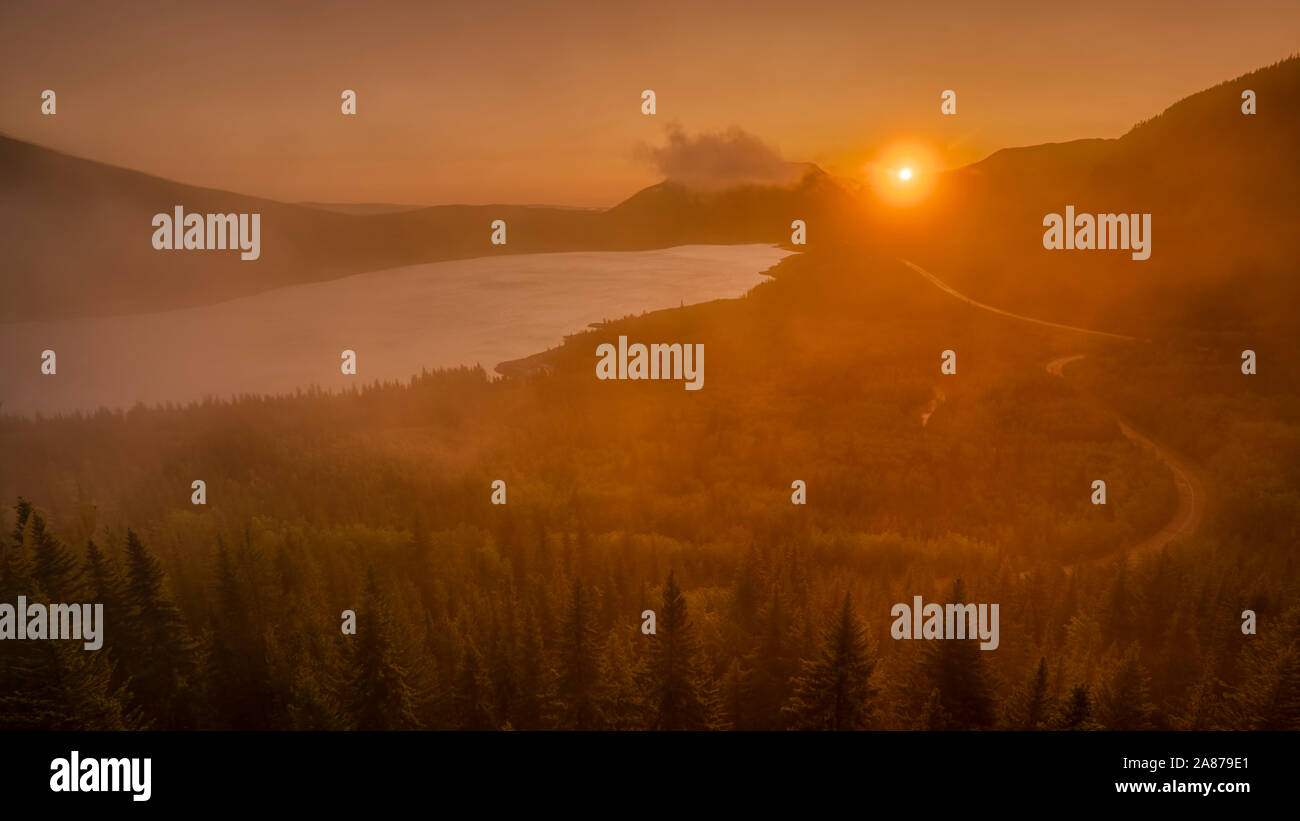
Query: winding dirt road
{"points": [[1191, 493], [943, 286]]}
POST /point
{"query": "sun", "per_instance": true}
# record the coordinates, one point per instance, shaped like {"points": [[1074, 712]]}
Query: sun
{"points": [[903, 172]]}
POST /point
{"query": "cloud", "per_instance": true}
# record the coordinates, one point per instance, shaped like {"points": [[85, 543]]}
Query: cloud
{"points": [[713, 160]]}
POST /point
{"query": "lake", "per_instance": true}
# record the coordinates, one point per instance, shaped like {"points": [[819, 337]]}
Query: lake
{"points": [[443, 314]]}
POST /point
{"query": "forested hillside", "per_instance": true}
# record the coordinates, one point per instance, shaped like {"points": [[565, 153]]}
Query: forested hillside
{"points": [[639, 496], [1220, 187]]}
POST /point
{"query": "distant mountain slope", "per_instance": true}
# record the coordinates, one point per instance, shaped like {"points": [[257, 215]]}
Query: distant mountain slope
{"points": [[76, 238], [1222, 188], [362, 207], [672, 213], [76, 234]]}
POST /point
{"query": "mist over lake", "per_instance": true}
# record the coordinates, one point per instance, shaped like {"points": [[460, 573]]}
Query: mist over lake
{"points": [[464, 312]]}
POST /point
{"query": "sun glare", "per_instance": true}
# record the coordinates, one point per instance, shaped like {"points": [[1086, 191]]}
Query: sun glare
{"points": [[903, 172]]}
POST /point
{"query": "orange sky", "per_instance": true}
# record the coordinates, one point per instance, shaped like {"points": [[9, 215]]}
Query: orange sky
{"points": [[532, 102]]}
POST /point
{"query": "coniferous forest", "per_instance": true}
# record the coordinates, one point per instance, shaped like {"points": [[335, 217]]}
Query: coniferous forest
{"points": [[769, 615], [929, 399]]}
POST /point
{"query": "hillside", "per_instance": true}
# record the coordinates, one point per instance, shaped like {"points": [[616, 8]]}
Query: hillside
{"points": [[969, 486], [77, 234], [1221, 188], [822, 374]]}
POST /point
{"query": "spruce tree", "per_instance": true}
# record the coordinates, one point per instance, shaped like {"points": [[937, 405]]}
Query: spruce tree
{"points": [[1268, 697], [15, 567], [956, 669], [1076, 712], [933, 716], [472, 696], [55, 684], [53, 567], [769, 670], [1030, 708], [1126, 701], [579, 666], [502, 663], [378, 695], [77, 688], [732, 698], [620, 705], [678, 695], [160, 654], [21, 703], [534, 677], [835, 692], [238, 677], [58, 685], [1207, 703]]}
